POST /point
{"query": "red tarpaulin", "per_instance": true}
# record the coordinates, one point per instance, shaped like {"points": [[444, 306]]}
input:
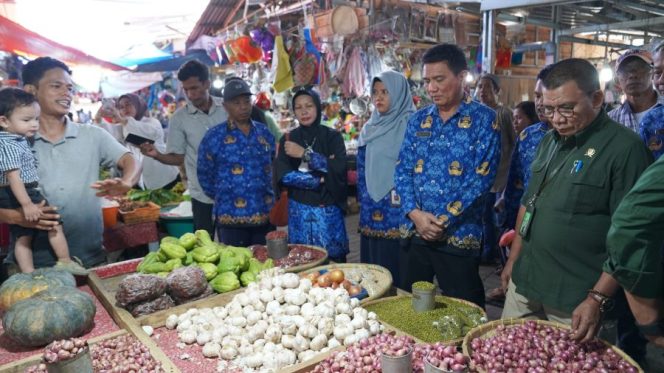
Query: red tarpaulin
{"points": [[17, 39]]}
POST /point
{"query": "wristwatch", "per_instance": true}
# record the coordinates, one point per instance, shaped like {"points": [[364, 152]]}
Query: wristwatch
{"points": [[606, 303]]}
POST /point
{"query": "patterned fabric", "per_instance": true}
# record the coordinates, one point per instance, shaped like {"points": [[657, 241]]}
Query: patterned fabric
{"points": [[318, 162], [302, 180], [447, 169], [318, 226], [236, 171], [524, 153], [623, 114], [15, 154], [651, 130], [377, 219]]}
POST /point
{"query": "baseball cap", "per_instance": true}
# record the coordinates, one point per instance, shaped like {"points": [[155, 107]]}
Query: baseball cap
{"points": [[234, 87], [635, 53]]}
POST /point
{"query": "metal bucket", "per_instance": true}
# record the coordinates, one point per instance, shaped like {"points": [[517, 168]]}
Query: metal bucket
{"points": [[81, 363], [400, 364], [277, 248], [424, 300]]}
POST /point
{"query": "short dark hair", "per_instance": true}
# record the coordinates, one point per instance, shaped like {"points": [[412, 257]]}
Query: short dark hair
{"points": [[12, 98], [193, 68], [528, 108], [451, 54], [34, 70], [658, 48], [582, 72], [544, 72]]}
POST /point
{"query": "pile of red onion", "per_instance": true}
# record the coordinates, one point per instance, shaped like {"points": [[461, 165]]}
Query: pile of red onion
{"points": [[364, 356], [534, 347], [123, 354]]}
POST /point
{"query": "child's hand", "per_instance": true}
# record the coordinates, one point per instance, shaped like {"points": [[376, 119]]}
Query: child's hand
{"points": [[31, 212]]}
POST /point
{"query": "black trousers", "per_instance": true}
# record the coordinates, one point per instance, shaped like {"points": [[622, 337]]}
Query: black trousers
{"points": [[244, 236], [383, 252], [202, 216], [458, 276]]}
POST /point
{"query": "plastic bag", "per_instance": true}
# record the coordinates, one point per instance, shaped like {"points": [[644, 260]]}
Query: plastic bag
{"points": [[206, 293], [151, 306], [186, 282], [136, 288]]}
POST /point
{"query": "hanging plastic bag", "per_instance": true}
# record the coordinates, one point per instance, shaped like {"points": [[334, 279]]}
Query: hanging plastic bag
{"points": [[283, 77]]}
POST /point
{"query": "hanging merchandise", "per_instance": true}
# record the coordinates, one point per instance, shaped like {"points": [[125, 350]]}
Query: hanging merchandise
{"points": [[246, 50], [262, 101], [283, 74], [263, 37], [304, 67], [376, 65], [355, 75]]}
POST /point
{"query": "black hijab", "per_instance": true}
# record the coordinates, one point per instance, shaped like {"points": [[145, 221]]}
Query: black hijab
{"points": [[325, 141]]}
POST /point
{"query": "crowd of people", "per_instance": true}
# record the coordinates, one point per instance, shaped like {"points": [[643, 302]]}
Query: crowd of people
{"points": [[436, 186]]}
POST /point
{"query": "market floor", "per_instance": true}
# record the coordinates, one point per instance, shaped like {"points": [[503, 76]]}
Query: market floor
{"points": [[655, 357]]}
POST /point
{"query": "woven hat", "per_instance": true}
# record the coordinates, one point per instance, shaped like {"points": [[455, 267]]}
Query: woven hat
{"points": [[344, 20]]}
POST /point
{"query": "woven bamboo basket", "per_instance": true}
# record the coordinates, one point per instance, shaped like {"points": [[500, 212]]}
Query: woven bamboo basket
{"points": [[489, 329], [304, 267], [381, 276], [454, 342], [141, 214]]}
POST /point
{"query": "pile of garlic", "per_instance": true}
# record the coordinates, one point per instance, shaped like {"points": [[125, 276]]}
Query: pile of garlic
{"points": [[278, 321]]}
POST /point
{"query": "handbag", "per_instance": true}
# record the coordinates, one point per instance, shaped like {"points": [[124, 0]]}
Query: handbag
{"points": [[279, 212]]}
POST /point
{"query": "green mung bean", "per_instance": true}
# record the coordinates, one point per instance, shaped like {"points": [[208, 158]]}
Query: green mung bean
{"points": [[423, 285], [400, 314]]}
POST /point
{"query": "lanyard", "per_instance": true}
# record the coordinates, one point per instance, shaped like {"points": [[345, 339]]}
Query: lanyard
{"points": [[548, 178]]}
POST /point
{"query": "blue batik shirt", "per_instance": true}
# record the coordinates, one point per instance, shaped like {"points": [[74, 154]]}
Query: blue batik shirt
{"points": [[522, 157], [651, 130], [447, 169], [235, 170], [377, 219]]}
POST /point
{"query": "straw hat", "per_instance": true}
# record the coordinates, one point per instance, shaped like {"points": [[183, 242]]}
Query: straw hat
{"points": [[344, 20]]}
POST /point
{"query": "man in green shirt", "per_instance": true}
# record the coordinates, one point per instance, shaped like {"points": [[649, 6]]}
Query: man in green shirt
{"points": [[579, 175], [634, 244]]}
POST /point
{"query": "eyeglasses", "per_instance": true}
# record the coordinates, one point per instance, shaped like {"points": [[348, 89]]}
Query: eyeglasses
{"points": [[566, 111]]}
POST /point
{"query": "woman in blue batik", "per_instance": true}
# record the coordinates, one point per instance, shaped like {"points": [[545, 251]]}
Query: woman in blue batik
{"points": [[312, 166], [380, 141]]}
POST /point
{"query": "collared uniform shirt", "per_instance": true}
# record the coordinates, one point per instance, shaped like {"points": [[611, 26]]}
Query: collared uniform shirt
{"points": [[624, 115], [563, 252], [186, 129], [15, 154], [67, 167], [447, 168], [377, 219], [235, 170], [636, 236], [517, 183], [651, 130]]}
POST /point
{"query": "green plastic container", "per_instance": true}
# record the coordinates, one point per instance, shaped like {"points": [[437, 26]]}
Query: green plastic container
{"points": [[177, 226]]}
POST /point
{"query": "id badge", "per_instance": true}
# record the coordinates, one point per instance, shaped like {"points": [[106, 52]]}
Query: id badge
{"points": [[524, 229], [395, 200]]}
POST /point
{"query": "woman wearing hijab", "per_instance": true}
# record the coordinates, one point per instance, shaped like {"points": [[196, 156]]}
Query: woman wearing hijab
{"points": [[380, 141], [312, 166], [129, 118]]}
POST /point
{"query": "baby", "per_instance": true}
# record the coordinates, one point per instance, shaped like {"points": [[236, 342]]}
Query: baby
{"points": [[19, 113]]}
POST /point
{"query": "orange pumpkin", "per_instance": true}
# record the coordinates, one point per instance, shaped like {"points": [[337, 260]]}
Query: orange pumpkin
{"points": [[24, 285]]}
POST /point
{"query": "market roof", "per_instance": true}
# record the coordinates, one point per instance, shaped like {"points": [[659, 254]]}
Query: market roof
{"points": [[632, 18]]}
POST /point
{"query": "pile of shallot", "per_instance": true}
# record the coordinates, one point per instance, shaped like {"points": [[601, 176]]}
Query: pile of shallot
{"points": [[534, 347], [64, 349], [365, 355], [124, 353]]}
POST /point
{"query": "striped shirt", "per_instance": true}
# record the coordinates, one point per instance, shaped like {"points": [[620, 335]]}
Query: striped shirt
{"points": [[15, 154]]}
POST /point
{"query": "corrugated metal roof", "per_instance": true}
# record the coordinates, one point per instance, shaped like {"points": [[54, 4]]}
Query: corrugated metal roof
{"points": [[213, 18]]}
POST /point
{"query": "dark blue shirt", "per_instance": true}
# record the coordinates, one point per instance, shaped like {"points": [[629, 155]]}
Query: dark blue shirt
{"points": [[651, 130], [235, 170], [377, 219], [522, 157], [447, 169]]}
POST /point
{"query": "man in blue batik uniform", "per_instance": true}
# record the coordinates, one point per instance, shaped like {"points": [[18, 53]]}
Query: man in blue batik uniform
{"points": [[235, 169], [523, 155], [446, 167], [651, 128]]}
